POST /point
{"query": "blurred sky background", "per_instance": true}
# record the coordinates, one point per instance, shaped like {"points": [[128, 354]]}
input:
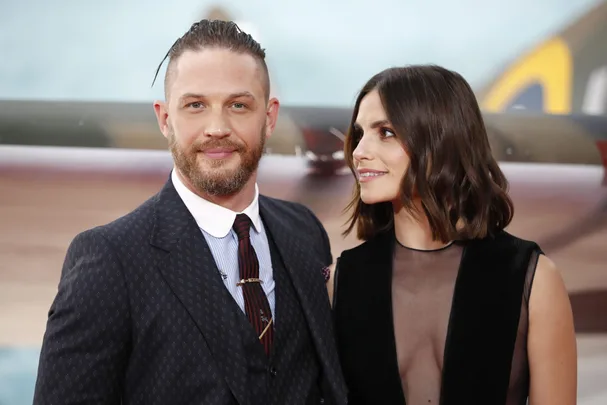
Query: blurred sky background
{"points": [[319, 52]]}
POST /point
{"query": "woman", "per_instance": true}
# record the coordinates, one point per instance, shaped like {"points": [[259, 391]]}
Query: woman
{"points": [[437, 305]]}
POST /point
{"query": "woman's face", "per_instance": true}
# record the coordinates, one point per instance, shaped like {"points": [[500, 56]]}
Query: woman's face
{"points": [[379, 157]]}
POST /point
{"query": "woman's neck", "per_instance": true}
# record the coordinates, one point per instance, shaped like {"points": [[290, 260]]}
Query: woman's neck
{"points": [[412, 232]]}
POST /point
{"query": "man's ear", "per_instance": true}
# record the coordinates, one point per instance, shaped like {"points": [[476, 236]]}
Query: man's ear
{"points": [[271, 115], [162, 116]]}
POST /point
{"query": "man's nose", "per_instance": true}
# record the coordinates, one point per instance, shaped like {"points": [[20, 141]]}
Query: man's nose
{"points": [[217, 126]]}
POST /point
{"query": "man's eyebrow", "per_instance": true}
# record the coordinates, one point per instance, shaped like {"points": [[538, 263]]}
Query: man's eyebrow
{"points": [[187, 96], [192, 95], [242, 94], [246, 94]]}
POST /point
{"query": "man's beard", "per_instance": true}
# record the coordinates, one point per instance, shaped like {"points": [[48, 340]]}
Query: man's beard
{"points": [[217, 181]]}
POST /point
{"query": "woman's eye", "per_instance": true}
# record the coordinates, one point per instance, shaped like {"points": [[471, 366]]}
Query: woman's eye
{"points": [[386, 133]]}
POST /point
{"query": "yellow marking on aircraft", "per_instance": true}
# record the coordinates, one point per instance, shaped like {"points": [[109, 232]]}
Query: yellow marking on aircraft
{"points": [[550, 65]]}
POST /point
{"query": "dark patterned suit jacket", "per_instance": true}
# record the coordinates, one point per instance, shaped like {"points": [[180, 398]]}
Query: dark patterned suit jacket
{"points": [[142, 316]]}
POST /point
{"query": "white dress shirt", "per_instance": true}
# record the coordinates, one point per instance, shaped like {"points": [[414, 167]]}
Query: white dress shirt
{"points": [[215, 223]]}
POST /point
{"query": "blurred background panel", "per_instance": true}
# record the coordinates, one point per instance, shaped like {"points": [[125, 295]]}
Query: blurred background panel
{"points": [[79, 145]]}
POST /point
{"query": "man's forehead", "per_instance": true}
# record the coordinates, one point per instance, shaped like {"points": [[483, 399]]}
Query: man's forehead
{"points": [[217, 68], [214, 56]]}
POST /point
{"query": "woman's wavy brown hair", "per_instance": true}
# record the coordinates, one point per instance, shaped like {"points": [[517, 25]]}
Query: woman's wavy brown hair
{"points": [[436, 117]]}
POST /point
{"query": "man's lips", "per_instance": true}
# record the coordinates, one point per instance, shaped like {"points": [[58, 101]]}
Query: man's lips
{"points": [[218, 153]]}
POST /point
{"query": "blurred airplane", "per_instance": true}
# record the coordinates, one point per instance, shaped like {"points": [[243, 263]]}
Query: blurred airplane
{"points": [[550, 106], [546, 120], [546, 116]]}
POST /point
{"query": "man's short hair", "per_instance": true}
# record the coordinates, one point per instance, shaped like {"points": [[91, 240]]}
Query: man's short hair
{"points": [[206, 34]]}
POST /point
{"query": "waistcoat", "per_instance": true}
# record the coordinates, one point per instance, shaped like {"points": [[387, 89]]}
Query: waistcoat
{"points": [[292, 372]]}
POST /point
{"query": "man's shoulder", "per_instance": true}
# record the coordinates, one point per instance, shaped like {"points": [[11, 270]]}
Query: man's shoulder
{"points": [[301, 223], [129, 227], [286, 209]]}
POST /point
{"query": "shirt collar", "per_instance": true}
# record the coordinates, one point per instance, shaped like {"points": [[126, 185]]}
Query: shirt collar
{"points": [[210, 217]]}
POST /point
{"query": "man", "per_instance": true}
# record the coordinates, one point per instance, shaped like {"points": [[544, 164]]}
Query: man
{"points": [[208, 293]]}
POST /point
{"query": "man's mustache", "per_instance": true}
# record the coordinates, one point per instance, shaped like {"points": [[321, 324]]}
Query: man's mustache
{"points": [[218, 143]]}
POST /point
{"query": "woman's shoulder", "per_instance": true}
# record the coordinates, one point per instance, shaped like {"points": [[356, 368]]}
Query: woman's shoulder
{"points": [[353, 265], [379, 243], [505, 242]]}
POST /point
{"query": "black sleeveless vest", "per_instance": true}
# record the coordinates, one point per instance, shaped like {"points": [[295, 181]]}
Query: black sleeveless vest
{"points": [[292, 373], [482, 327]]}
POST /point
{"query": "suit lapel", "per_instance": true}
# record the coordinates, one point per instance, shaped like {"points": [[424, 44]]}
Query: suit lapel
{"points": [[190, 270], [304, 267]]}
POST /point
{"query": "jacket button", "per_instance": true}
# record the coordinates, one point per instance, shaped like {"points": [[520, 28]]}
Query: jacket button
{"points": [[322, 401], [273, 371]]}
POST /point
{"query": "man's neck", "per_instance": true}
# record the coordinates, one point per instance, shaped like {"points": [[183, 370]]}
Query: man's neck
{"points": [[236, 202]]}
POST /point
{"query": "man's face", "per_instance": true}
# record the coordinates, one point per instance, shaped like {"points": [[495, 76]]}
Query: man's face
{"points": [[216, 119]]}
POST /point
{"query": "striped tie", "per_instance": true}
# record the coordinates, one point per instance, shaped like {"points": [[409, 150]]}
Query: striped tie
{"points": [[256, 303]]}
